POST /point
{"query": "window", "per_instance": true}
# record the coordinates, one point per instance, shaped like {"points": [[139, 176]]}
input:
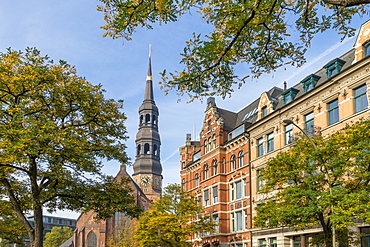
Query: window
{"points": [[241, 159], [309, 124], [155, 150], [156, 181], [245, 187], [262, 242], [270, 142], [196, 180], [206, 197], [365, 239], [333, 112], [366, 49], [138, 149], [239, 220], [360, 98], [183, 184], [216, 221], [334, 67], [288, 132], [289, 95], [214, 141], [238, 190], [260, 147], [264, 111], [206, 172], [297, 241], [233, 163], [245, 219], [232, 222], [154, 120], [273, 242], [215, 167], [147, 118], [146, 148], [260, 181], [92, 240], [215, 194], [309, 82], [232, 192]]}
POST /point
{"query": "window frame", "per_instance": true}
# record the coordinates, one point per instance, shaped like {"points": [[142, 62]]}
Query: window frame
{"points": [[260, 149], [263, 111], [270, 142], [288, 134], [215, 194], [360, 98], [309, 123], [333, 112]]}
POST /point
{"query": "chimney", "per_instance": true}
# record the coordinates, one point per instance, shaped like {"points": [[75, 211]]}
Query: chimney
{"points": [[211, 100], [285, 86]]}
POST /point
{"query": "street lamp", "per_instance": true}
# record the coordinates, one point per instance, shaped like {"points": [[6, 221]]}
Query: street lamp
{"points": [[290, 121]]}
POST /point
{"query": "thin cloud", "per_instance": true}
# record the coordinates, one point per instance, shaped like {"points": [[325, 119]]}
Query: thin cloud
{"points": [[170, 156]]}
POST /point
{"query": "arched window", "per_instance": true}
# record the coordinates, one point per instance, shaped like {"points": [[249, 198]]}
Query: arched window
{"points": [[206, 171], [214, 141], [156, 181], [232, 163], [146, 148], [147, 118], [215, 167], [241, 159], [141, 119], [92, 240], [154, 120], [183, 184], [155, 150], [205, 146], [222, 168], [210, 146], [196, 180], [138, 149]]}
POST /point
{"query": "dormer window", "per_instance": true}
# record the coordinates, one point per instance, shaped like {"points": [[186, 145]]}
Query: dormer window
{"points": [[289, 95], [309, 82], [334, 67], [264, 111]]}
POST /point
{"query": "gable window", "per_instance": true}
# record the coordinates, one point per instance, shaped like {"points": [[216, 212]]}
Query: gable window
{"points": [[215, 194], [366, 49], [264, 111], [260, 147], [289, 95], [309, 82], [360, 98], [333, 112], [288, 132], [334, 67], [309, 124], [270, 142]]}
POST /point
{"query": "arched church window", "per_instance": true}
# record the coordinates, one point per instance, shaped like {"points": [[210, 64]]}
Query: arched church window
{"points": [[146, 148], [155, 150], [147, 118], [154, 119], [138, 149], [92, 240], [141, 119]]}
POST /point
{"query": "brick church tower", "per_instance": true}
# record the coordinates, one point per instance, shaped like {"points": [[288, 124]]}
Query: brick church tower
{"points": [[147, 166]]}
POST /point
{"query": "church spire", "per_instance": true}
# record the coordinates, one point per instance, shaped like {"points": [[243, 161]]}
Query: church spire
{"points": [[149, 83], [147, 165]]}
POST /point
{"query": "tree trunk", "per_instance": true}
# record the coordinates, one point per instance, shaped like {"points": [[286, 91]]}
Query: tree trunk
{"points": [[347, 3], [38, 227]]}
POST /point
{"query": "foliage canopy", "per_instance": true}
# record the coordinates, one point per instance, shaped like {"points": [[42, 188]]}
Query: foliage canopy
{"points": [[261, 33], [174, 218], [56, 129], [57, 236], [326, 186]]}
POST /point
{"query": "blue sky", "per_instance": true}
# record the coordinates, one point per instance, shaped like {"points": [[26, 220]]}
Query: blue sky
{"points": [[69, 30]]}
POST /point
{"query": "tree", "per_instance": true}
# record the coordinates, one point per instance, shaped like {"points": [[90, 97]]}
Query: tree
{"points": [[262, 33], [56, 129], [123, 235], [11, 229], [322, 184], [57, 236], [173, 219]]}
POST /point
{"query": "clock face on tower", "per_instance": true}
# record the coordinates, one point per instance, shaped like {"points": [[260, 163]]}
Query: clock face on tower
{"points": [[145, 180]]}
